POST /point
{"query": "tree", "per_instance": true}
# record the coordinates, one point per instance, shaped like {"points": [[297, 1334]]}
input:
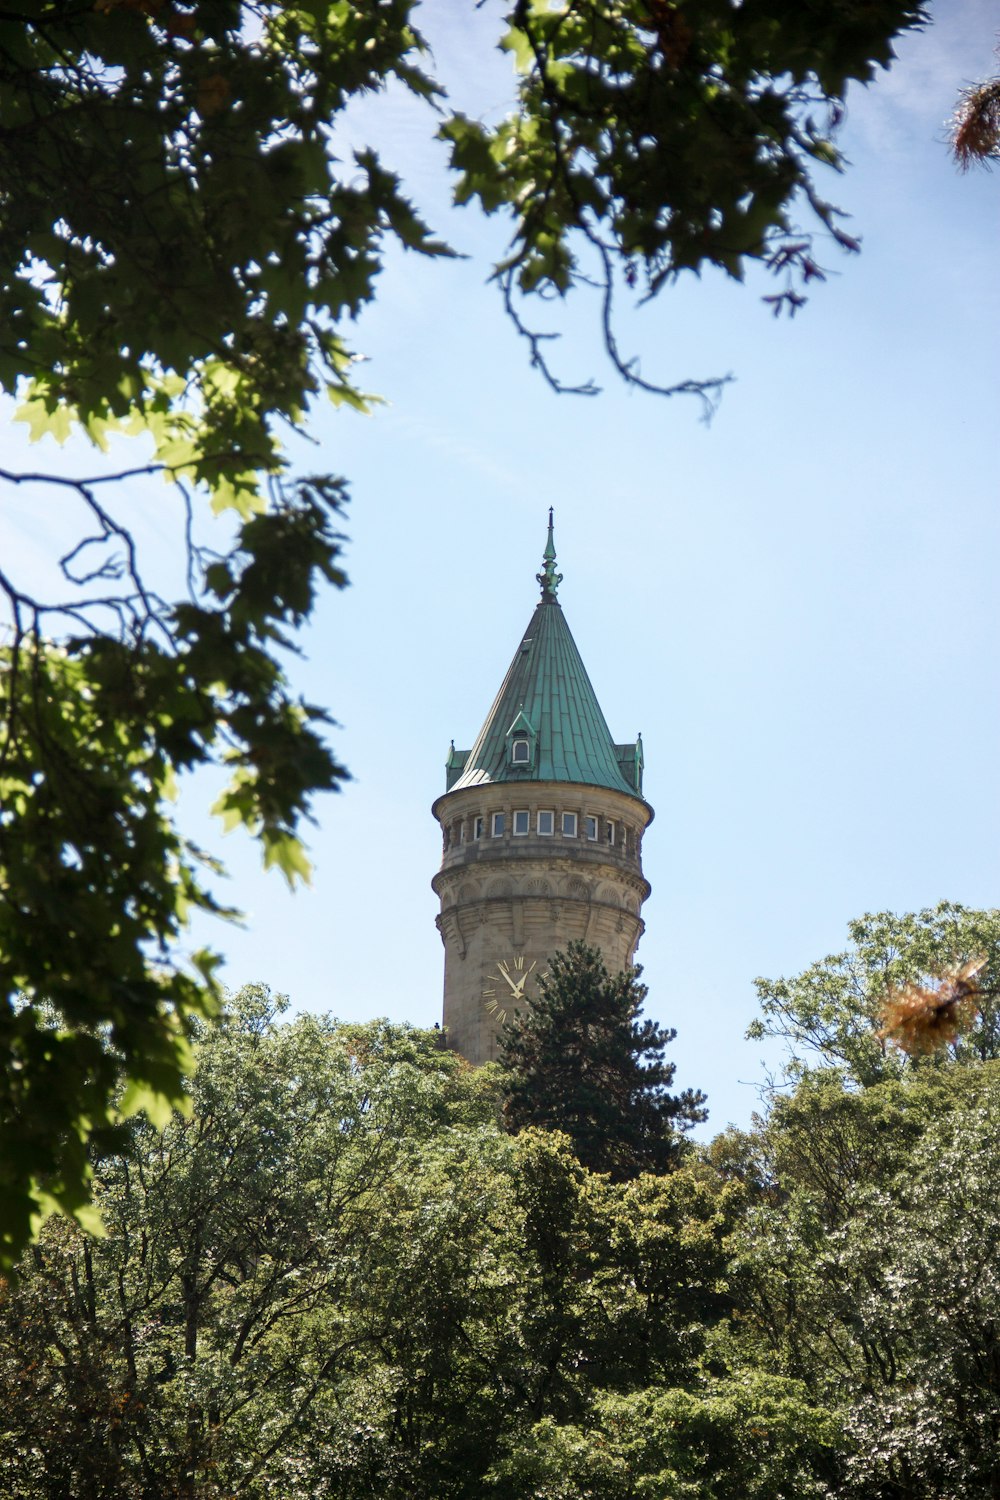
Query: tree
{"points": [[635, 1324], [178, 247], [180, 251], [831, 1015], [339, 1277], [579, 1060], [755, 1436], [98, 881], [198, 1348], [867, 1256], [868, 1273]]}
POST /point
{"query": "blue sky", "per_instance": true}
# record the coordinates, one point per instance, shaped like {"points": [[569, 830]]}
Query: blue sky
{"points": [[796, 604]]}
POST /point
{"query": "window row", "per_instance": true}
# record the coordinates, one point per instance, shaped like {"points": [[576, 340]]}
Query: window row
{"points": [[544, 823]]}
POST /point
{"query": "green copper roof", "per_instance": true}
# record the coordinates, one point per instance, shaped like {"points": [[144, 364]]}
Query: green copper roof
{"points": [[547, 699]]}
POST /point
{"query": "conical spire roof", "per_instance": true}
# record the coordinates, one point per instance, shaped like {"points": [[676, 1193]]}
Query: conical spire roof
{"points": [[547, 699]]}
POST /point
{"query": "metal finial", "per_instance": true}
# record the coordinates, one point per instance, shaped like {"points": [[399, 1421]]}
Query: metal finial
{"points": [[548, 577]]}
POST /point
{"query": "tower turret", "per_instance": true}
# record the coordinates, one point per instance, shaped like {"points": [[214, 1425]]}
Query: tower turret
{"points": [[542, 823]]}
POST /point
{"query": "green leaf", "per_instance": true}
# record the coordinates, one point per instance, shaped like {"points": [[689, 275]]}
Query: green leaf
{"points": [[288, 853], [91, 1221], [44, 419], [139, 1097]]}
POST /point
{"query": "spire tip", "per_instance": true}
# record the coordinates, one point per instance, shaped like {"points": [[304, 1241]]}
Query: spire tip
{"points": [[548, 577]]}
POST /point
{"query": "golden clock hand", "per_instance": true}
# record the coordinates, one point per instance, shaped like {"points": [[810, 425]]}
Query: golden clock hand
{"points": [[506, 974], [519, 992]]}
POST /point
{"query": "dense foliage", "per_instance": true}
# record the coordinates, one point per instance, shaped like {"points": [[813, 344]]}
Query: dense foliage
{"points": [[870, 1264], [178, 250], [579, 1059], [340, 1277]]}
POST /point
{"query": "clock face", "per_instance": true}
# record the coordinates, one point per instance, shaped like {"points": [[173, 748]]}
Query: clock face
{"points": [[505, 986]]}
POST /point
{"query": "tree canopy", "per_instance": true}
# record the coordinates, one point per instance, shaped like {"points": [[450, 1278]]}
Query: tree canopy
{"points": [[182, 251], [338, 1276], [868, 1263], [831, 1015]]}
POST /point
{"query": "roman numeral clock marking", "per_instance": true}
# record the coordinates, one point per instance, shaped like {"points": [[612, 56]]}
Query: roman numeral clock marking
{"points": [[506, 986]]}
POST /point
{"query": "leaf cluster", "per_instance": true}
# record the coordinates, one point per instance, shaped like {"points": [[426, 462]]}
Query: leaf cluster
{"points": [[655, 137], [98, 883], [179, 247], [206, 241]]}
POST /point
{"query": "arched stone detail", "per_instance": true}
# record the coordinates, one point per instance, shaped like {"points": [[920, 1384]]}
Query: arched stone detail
{"points": [[449, 897], [577, 889], [468, 892], [608, 896], [450, 928], [537, 886], [500, 886]]}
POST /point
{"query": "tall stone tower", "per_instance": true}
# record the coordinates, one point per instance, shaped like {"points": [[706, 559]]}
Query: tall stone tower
{"points": [[542, 821]]}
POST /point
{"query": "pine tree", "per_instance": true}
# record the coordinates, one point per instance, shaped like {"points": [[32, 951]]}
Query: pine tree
{"points": [[578, 1059]]}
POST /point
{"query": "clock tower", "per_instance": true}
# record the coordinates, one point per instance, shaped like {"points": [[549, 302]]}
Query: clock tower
{"points": [[542, 823]]}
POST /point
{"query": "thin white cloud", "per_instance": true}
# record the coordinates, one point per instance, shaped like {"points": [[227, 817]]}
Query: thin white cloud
{"points": [[918, 93]]}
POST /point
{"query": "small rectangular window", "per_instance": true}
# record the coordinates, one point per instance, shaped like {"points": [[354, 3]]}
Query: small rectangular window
{"points": [[477, 828], [521, 821], [519, 751], [569, 825], [546, 822], [590, 828], [610, 832], [497, 825]]}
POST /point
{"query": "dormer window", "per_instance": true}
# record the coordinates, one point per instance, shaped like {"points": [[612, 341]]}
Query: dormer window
{"points": [[521, 742]]}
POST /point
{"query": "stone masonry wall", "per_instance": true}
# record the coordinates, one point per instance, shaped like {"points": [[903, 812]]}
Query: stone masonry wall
{"points": [[509, 900]]}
